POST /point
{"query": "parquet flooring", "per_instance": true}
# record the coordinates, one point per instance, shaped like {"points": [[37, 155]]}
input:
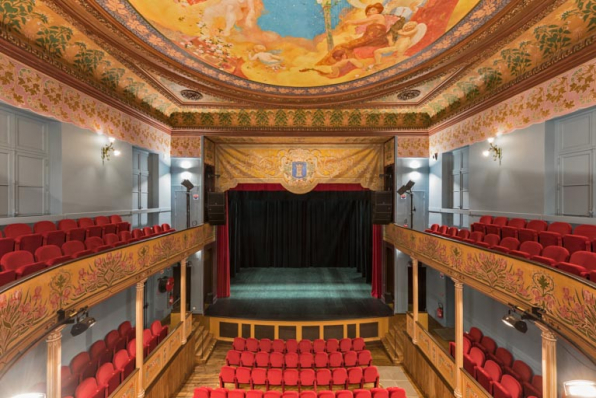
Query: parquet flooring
{"points": [[207, 374]]}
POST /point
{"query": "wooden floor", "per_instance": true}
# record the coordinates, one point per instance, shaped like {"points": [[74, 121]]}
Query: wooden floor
{"points": [[299, 294], [207, 375]]}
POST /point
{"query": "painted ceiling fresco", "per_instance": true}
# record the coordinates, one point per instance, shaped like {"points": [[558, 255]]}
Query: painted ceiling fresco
{"points": [[304, 43]]}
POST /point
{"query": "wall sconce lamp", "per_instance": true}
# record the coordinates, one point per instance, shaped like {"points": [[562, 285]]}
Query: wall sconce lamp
{"points": [[435, 156], [107, 148], [579, 389], [494, 148]]}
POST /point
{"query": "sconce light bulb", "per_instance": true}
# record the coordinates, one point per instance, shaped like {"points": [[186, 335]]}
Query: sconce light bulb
{"points": [[112, 139], [117, 153], [485, 154], [491, 140]]}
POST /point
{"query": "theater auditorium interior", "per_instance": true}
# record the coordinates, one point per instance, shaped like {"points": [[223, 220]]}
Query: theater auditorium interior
{"points": [[297, 198]]}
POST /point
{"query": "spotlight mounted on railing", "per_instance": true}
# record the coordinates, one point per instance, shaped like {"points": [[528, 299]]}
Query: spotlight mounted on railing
{"points": [[512, 319], [79, 318]]}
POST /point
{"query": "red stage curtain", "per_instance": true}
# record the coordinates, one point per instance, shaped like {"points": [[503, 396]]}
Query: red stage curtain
{"points": [[223, 249], [223, 258], [377, 261]]}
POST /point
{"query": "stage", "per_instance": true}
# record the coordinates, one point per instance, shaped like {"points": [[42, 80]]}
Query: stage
{"points": [[299, 294]]}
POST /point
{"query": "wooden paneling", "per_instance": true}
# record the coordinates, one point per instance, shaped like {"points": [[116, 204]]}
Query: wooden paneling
{"points": [[471, 388], [128, 389], [423, 373]]}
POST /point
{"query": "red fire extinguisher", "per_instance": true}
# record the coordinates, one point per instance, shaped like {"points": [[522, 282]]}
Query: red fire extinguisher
{"points": [[440, 311]]}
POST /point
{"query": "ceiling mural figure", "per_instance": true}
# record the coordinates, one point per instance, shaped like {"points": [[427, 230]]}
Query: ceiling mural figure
{"points": [[303, 43]]}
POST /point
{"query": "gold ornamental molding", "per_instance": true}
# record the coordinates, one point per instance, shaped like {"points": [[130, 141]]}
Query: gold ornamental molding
{"points": [[28, 307], [568, 302]]}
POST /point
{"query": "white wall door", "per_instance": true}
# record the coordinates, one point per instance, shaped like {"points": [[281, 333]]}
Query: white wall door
{"points": [[141, 186]]}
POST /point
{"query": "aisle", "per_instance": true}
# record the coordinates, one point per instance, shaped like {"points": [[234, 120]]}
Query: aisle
{"points": [[207, 375]]}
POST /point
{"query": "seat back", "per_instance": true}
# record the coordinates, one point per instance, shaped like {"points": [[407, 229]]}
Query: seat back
{"points": [[275, 377], [323, 377], [361, 393], [87, 389], [531, 247], [516, 223], [243, 375], [350, 359], [276, 359], [332, 345], [370, 374], [493, 369], [364, 358], [477, 356], [585, 259], [233, 358], [227, 374], [16, 259], [67, 224], [486, 220], [434, 227], [343, 394], [492, 239], [43, 226], [562, 228], [339, 376], [589, 231], [489, 344], [336, 359], [278, 345], [102, 220], [247, 358], [355, 375], [86, 222], [523, 370], [261, 359], [239, 343], [115, 219], [557, 253], [318, 345], [510, 243], [291, 360], [16, 230], [476, 334], [265, 345], [477, 236], [305, 345], [291, 377], [93, 242], [72, 246], [111, 239], [512, 386], [452, 231], [138, 233], [259, 375], [321, 359], [306, 360], [504, 356], [358, 344], [307, 377], [45, 253], [500, 221], [345, 344], [291, 345], [463, 234], [114, 342]]}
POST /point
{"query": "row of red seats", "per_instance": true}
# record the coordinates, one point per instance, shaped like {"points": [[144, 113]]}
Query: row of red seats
{"points": [[108, 362], [16, 264], [340, 378], [292, 345], [490, 364], [264, 359], [391, 392], [579, 262], [580, 238]]}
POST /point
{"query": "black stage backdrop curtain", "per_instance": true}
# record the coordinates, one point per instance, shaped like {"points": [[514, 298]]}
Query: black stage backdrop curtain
{"points": [[317, 229]]}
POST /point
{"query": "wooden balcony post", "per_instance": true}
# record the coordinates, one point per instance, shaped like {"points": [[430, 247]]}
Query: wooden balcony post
{"points": [[183, 297], [139, 304], [54, 363], [459, 336], [549, 362], [415, 296]]}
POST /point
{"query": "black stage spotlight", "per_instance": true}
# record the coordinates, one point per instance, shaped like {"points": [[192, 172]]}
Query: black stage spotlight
{"points": [[78, 328], [88, 321], [188, 185], [514, 322]]}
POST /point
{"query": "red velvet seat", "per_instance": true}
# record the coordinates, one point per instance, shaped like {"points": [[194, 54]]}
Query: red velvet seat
{"points": [[106, 226], [278, 345], [157, 230], [480, 226], [364, 358], [336, 359], [82, 366], [291, 360], [90, 389], [519, 370], [396, 392], [379, 393], [24, 238], [124, 362], [7, 277], [306, 360], [258, 377], [589, 231], [492, 240], [158, 330], [233, 358], [236, 393], [351, 359], [475, 358], [508, 387], [227, 377], [326, 394], [205, 392], [305, 345], [51, 235], [121, 225], [126, 237], [474, 335], [307, 379], [239, 344], [21, 262], [323, 379], [6, 246], [131, 348], [322, 360], [355, 376], [502, 356], [247, 359], [51, 255], [488, 374], [553, 236], [108, 377], [291, 379], [114, 342], [167, 228], [370, 377], [113, 240], [580, 263], [252, 344], [487, 345], [344, 394], [99, 353], [265, 345], [531, 231], [148, 232], [462, 235], [496, 225], [127, 332], [433, 228], [552, 255], [72, 230], [574, 243], [91, 230], [345, 345], [362, 393], [507, 245], [291, 345], [276, 360], [467, 345], [475, 237], [96, 244], [261, 359], [318, 345], [274, 378], [68, 381], [290, 394], [511, 230], [332, 345], [534, 388], [75, 249], [219, 393], [138, 234], [527, 249], [339, 378], [358, 344], [442, 230], [451, 232]]}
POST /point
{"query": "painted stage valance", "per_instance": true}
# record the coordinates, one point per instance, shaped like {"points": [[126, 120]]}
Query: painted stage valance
{"points": [[299, 168]]}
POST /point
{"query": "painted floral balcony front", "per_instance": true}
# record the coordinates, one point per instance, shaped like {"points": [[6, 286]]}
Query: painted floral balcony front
{"points": [[568, 301], [28, 308]]}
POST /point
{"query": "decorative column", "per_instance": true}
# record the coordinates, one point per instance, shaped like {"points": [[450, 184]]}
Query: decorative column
{"points": [[415, 296], [54, 363], [183, 298], [549, 362], [140, 303], [459, 336]]}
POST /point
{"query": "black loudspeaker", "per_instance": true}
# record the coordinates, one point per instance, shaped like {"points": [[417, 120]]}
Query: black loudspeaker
{"points": [[216, 210], [382, 210]]}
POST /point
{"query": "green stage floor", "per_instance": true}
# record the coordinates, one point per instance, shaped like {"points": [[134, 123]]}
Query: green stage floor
{"points": [[299, 294]]}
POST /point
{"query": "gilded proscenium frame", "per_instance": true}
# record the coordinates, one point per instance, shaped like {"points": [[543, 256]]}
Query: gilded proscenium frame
{"points": [[28, 307], [568, 302]]}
